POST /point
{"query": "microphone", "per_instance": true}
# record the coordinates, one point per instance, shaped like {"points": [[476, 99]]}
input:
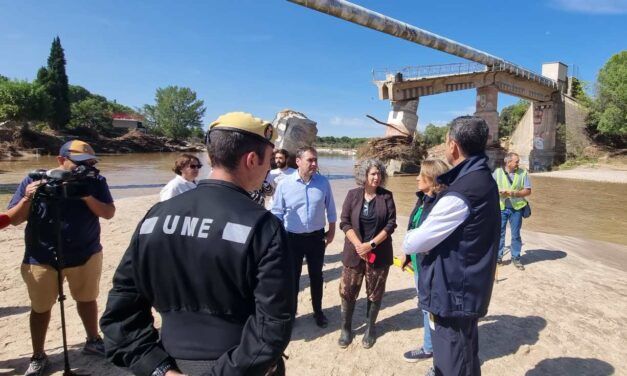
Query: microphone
{"points": [[5, 220]]}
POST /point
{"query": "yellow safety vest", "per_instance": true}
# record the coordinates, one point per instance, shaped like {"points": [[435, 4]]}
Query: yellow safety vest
{"points": [[516, 185]]}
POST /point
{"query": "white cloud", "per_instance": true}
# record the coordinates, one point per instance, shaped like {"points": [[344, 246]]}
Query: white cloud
{"points": [[592, 7]]}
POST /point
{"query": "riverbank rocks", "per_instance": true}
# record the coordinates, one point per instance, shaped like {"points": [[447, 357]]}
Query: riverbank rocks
{"points": [[295, 130]]}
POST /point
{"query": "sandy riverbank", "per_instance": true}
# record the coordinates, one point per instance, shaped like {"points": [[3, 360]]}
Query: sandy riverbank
{"points": [[564, 315], [600, 173]]}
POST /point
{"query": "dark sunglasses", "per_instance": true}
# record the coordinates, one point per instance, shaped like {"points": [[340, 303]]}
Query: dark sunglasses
{"points": [[195, 166]]}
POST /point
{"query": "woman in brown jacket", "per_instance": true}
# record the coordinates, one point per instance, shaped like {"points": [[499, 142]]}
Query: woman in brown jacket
{"points": [[368, 219]]}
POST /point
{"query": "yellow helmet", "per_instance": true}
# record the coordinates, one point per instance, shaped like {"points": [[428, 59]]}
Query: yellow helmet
{"points": [[246, 123]]}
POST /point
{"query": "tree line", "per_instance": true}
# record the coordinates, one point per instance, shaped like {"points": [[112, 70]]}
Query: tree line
{"points": [[51, 102], [340, 142]]}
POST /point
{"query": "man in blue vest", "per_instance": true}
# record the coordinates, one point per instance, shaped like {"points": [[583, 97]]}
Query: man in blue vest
{"points": [[514, 186], [459, 239]]}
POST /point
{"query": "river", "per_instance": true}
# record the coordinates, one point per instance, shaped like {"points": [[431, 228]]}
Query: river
{"points": [[578, 208]]}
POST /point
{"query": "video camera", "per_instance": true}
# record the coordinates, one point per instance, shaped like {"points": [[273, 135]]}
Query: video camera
{"points": [[63, 183]]}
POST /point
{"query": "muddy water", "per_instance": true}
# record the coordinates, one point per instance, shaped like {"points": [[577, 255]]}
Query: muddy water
{"points": [[583, 209], [139, 174], [576, 208]]}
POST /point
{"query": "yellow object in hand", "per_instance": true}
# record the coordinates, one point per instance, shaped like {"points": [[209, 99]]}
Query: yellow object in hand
{"points": [[398, 262]]}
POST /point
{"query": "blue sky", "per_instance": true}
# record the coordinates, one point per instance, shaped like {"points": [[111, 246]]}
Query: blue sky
{"points": [[263, 56]]}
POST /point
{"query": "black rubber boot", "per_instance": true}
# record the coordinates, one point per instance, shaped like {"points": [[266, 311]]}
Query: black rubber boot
{"points": [[370, 336], [346, 334]]}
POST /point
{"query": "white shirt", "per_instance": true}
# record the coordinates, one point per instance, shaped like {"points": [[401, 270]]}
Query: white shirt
{"points": [[447, 214], [175, 187], [274, 178]]}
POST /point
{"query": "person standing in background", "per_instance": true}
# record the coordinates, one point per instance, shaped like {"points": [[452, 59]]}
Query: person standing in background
{"points": [[514, 186], [279, 173], [186, 168]]}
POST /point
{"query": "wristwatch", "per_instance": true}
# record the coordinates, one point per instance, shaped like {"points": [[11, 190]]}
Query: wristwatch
{"points": [[373, 244]]}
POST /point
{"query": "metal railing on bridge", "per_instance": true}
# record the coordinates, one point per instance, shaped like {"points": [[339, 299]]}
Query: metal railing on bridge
{"points": [[428, 71], [442, 70]]}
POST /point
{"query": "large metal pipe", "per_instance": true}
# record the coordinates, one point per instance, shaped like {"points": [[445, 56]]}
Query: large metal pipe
{"points": [[377, 21]]}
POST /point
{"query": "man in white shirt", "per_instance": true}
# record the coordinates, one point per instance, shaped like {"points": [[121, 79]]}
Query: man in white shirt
{"points": [[275, 176], [460, 241]]}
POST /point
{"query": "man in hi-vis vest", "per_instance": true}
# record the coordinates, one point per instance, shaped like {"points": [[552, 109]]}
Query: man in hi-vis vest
{"points": [[514, 186]]}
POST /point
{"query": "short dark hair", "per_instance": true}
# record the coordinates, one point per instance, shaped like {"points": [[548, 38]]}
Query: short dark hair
{"points": [[470, 133], [285, 153], [183, 161], [226, 147], [302, 150]]}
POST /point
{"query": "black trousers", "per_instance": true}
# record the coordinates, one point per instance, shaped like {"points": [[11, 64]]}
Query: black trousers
{"points": [[455, 347], [312, 246]]}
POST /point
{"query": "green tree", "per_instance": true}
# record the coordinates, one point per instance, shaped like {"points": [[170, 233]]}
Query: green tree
{"points": [[91, 113], [78, 93], [55, 81], [339, 142], [609, 115], [576, 88], [510, 117], [3, 78], [177, 112], [434, 135], [23, 101]]}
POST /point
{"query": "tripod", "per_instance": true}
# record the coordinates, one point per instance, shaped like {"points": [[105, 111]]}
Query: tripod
{"points": [[54, 205]]}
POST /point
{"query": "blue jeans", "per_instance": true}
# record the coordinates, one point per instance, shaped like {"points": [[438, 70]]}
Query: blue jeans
{"points": [[515, 223], [426, 345]]}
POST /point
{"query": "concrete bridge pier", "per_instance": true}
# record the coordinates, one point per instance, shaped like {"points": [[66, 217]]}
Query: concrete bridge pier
{"points": [[486, 108], [404, 116], [545, 119]]}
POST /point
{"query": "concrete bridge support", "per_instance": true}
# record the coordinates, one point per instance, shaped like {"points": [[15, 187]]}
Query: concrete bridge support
{"points": [[545, 120], [535, 137], [486, 108], [404, 116]]}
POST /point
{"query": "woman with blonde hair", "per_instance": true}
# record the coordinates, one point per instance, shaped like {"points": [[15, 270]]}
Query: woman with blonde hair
{"points": [[428, 188], [186, 168], [368, 219]]}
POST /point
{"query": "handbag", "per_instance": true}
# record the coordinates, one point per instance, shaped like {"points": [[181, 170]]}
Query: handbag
{"points": [[526, 210]]}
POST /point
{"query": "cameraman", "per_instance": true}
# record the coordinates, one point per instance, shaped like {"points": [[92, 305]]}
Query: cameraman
{"points": [[82, 254]]}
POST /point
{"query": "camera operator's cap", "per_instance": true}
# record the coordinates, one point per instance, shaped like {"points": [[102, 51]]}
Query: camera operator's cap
{"points": [[77, 150], [245, 123]]}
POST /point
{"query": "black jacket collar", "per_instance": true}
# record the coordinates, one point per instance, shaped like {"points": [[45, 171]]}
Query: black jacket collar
{"points": [[470, 164], [224, 183]]}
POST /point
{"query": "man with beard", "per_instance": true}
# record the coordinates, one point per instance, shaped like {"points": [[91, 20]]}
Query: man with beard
{"points": [[275, 176]]}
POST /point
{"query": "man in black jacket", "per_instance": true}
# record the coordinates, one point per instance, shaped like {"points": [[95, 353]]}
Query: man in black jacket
{"points": [[460, 239], [214, 264]]}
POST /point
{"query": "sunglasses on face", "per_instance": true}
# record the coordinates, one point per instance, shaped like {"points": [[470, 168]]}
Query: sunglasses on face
{"points": [[195, 166]]}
